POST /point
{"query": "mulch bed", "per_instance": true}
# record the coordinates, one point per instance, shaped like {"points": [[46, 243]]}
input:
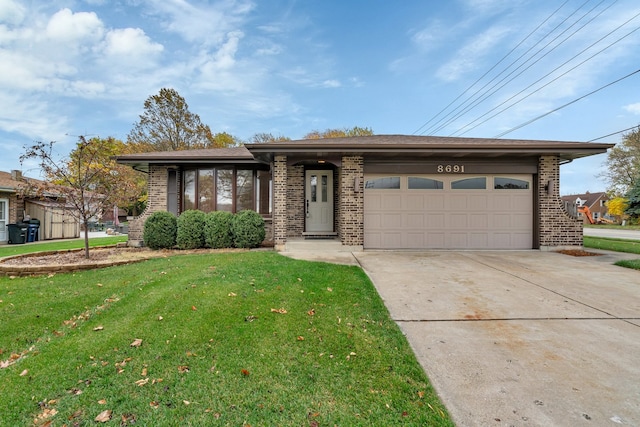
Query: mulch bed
{"points": [[577, 252]]}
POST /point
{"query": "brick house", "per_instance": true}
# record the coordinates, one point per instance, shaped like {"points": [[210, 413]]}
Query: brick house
{"points": [[596, 202], [378, 192]]}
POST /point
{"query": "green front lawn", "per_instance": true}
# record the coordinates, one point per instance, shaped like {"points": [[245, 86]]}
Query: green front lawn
{"points": [[616, 245], [56, 245], [250, 338]]}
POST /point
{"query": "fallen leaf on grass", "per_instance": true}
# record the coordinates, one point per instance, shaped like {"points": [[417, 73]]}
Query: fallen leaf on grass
{"points": [[154, 404], [311, 312], [183, 369], [47, 413], [103, 416], [98, 328], [140, 383], [232, 294], [193, 308], [102, 402], [186, 402], [300, 338], [279, 310], [136, 343], [245, 372], [421, 394], [144, 372], [23, 373]]}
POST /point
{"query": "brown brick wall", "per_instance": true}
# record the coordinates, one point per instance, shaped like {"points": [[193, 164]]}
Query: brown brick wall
{"points": [[556, 227], [157, 201], [279, 168], [351, 221], [295, 201]]}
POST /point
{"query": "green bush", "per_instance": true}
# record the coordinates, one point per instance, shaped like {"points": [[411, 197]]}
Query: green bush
{"points": [[217, 230], [247, 228], [160, 230], [191, 229]]}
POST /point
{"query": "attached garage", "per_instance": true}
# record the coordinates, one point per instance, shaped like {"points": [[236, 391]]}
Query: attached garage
{"points": [[448, 211]]}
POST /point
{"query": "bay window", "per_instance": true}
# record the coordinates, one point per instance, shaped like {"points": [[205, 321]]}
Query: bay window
{"points": [[227, 188]]}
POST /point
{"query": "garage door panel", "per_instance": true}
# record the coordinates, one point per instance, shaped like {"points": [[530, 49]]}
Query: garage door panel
{"points": [[435, 221], [478, 241], [478, 220], [435, 240], [415, 221], [458, 221], [458, 202], [415, 240], [449, 219], [414, 202], [434, 202]]}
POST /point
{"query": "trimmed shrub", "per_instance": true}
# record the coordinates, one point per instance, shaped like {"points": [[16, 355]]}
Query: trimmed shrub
{"points": [[247, 228], [217, 230], [191, 229], [160, 230]]}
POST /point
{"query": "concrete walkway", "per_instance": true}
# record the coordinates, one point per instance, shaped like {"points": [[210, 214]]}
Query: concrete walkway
{"points": [[523, 338]]}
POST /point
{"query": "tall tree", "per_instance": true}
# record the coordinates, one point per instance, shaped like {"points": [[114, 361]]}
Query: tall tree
{"points": [[84, 181], [167, 125], [623, 164], [633, 204], [339, 133]]}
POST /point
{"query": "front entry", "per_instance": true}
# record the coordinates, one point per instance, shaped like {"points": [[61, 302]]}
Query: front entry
{"points": [[319, 201]]}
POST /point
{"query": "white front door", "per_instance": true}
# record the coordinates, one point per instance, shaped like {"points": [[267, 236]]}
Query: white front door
{"points": [[319, 200], [4, 218]]}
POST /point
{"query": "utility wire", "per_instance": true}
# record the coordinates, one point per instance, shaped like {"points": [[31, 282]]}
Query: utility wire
{"points": [[565, 105], [439, 124], [511, 77], [548, 74], [491, 69], [614, 133]]}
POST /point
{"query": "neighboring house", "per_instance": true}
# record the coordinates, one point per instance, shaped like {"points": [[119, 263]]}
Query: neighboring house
{"points": [[56, 221], [378, 192], [596, 202]]}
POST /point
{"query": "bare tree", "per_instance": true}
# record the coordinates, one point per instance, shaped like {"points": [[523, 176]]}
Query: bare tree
{"points": [[86, 181]]}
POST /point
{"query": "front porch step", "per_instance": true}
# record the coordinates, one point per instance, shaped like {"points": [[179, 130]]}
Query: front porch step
{"points": [[318, 235], [313, 245]]}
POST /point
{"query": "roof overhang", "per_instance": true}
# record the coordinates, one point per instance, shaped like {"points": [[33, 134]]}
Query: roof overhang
{"points": [[416, 147], [142, 161]]}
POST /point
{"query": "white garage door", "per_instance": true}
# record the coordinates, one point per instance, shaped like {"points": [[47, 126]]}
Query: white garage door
{"points": [[448, 212]]}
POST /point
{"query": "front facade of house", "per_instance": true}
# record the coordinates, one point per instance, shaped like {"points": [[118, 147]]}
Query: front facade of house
{"points": [[596, 202], [379, 192]]}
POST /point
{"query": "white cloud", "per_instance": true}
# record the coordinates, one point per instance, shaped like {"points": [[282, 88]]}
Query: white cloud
{"points": [[131, 43], [467, 59], [331, 83], [633, 108], [201, 22], [11, 12], [68, 27]]}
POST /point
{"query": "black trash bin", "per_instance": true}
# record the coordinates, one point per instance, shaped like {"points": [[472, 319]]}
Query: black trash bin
{"points": [[17, 233]]}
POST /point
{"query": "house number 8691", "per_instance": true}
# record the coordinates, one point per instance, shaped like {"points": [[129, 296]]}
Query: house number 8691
{"points": [[450, 169]]}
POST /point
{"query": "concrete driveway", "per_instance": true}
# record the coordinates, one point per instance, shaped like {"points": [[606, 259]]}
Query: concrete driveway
{"points": [[519, 338]]}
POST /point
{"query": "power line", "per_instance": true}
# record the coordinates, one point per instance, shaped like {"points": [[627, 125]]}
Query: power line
{"points": [[492, 68], [510, 77], [473, 97], [548, 74], [565, 105], [614, 133]]}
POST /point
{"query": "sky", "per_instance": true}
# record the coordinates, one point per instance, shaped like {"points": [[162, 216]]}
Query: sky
{"points": [[473, 68]]}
